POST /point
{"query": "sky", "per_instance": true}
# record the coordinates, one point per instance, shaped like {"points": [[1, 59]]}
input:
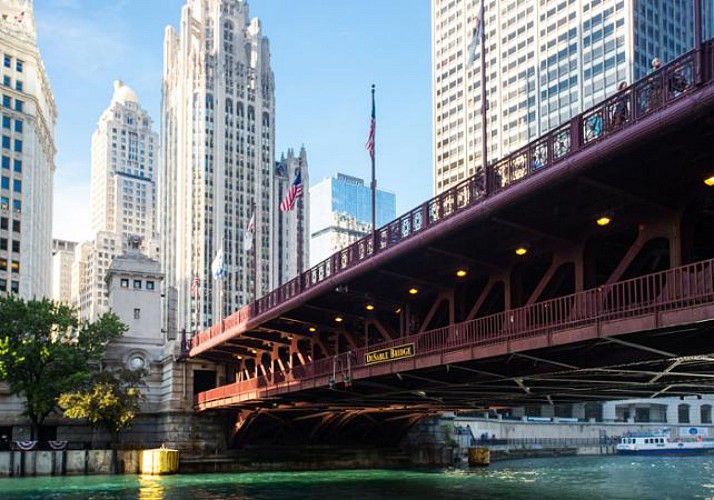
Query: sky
{"points": [[326, 54]]}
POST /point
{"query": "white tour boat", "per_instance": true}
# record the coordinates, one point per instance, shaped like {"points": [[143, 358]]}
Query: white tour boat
{"points": [[660, 443]]}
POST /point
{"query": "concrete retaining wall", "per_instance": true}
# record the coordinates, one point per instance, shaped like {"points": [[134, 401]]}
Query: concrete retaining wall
{"points": [[69, 462]]}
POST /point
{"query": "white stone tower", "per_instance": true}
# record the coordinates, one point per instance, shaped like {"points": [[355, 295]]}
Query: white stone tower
{"points": [[27, 156], [218, 137], [125, 155]]}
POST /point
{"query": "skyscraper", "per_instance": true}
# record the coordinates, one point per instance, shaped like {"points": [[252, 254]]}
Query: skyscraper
{"points": [[341, 213], [27, 156], [218, 137], [546, 61], [123, 195], [62, 262]]}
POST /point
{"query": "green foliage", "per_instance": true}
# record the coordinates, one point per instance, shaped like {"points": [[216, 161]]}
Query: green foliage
{"points": [[45, 350], [110, 401]]}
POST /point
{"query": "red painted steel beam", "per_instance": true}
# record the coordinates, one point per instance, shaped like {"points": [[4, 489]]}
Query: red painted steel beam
{"points": [[666, 299]]}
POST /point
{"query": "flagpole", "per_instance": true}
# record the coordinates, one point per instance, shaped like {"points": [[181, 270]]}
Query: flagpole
{"points": [[373, 185], [484, 107], [255, 254], [299, 226]]}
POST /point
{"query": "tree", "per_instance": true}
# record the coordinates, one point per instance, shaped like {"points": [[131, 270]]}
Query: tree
{"points": [[111, 401], [45, 351]]}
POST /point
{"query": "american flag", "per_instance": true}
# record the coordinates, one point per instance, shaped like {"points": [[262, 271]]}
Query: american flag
{"points": [[372, 127], [195, 284], [293, 193]]}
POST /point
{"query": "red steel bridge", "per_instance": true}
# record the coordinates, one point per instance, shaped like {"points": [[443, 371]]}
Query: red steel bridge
{"points": [[578, 268]]}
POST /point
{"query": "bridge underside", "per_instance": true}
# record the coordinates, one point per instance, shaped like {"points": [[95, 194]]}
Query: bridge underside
{"points": [[647, 179]]}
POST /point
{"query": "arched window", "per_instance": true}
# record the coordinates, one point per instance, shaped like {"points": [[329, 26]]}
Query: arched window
{"points": [[683, 412], [706, 414]]}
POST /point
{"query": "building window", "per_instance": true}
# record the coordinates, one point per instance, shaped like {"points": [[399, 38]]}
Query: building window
{"points": [[18, 85], [19, 105], [6, 162], [17, 165], [6, 122], [6, 80], [7, 61], [125, 283], [683, 413], [17, 185], [137, 313], [16, 226], [18, 66], [15, 266], [4, 202], [16, 246], [6, 142], [17, 205], [18, 126], [15, 286], [5, 183], [149, 285], [18, 146], [137, 283]]}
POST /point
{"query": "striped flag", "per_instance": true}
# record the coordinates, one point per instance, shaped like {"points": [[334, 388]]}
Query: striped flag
{"points": [[293, 193], [372, 130], [195, 284]]}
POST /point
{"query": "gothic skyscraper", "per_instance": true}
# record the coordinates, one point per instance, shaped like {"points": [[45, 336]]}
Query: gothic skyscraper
{"points": [[27, 154], [218, 140]]}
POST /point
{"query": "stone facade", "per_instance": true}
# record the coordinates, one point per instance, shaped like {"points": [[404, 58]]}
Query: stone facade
{"points": [[27, 151]]}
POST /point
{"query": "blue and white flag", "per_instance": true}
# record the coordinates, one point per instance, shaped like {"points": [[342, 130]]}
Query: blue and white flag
{"points": [[248, 235], [477, 34], [218, 267]]}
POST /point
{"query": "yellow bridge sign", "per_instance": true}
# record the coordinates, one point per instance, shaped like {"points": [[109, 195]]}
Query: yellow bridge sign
{"points": [[389, 354]]}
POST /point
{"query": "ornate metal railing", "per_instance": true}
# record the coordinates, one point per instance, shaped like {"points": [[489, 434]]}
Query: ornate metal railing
{"points": [[677, 288], [621, 111]]}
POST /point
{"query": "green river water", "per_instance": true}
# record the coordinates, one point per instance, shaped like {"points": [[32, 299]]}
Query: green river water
{"points": [[582, 478]]}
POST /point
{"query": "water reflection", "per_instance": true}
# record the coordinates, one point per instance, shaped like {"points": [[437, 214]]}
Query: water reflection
{"points": [[151, 488]]}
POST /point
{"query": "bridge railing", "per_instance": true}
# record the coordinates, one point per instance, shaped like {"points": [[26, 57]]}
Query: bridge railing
{"points": [[625, 108], [684, 286]]}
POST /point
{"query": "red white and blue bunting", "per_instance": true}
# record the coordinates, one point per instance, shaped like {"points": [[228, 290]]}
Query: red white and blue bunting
{"points": [[26, 445], [57, 445]]}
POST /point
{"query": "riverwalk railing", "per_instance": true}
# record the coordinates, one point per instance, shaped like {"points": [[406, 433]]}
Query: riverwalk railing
{"points": [[621, 111]]}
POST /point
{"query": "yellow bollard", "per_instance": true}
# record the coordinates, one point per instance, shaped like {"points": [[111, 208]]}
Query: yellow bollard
{"points": [[479, 456], [160, 461]]}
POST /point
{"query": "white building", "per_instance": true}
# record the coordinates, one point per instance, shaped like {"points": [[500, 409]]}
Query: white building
{"points": [[27, 154], [134, 290], [218, 136], [62, 262], [123, 195], [546, 61], [291, 229]]}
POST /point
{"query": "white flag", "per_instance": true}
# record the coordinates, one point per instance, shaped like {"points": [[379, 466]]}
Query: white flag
{"points": [[477, 33], [218, 267], [248, 235]]}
